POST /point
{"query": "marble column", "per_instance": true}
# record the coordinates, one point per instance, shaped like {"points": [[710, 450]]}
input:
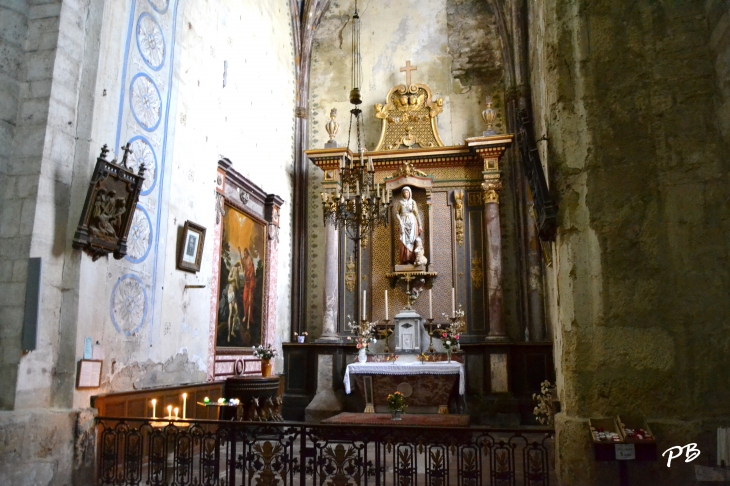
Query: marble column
{"points": [[325, 403], [331, 285], [491, 187]]}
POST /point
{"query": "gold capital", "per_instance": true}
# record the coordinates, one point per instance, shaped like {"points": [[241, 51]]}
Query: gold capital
{"points": [[491, 188]]}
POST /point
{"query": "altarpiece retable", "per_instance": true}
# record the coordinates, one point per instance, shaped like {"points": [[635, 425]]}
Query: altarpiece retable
{"points": [[443, 236]]}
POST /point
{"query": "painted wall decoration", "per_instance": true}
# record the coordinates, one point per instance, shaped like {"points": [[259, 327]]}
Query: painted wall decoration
{"points": [[143, 119], [241, 287]]}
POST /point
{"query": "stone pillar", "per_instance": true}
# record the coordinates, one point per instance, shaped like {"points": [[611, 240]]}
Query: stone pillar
{"points": [[491, 186], [331, 285], [325, 403]]}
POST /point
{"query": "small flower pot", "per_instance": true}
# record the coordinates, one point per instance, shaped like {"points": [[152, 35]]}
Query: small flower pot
{"points": [[396, 414], [266, 368]]}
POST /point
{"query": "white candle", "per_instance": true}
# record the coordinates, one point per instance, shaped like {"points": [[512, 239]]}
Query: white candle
{"points": [[386, 304], [430, 304], [176, 411], [169, 411], [185, 404], [453, 302], [154, 408], [357, 188], [364, 300]]}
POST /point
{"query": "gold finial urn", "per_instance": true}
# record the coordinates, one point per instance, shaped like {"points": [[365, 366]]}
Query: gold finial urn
{"points": [[488, 115], [332, 128]]}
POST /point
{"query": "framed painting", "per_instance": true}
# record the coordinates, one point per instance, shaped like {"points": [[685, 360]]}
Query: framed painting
{"points": [[241, 282], [191, 247]]}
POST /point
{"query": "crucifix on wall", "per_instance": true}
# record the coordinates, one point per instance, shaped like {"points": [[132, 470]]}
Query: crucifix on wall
{"points": [[407, 69]]}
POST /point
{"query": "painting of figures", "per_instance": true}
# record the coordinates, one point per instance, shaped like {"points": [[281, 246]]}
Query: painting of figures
{"points": [[240, 299]]}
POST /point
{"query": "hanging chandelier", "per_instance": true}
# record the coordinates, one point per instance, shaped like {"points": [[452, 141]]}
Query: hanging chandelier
{"points": [[358, 204]]}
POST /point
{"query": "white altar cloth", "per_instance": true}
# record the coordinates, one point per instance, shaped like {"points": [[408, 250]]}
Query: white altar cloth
{"points": [[416, 368]]}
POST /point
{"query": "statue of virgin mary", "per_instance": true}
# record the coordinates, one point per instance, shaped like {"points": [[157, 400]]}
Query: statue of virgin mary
{"points": [[410, 226]]}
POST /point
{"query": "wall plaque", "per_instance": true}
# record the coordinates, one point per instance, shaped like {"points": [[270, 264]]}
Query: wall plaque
{"points": [[110, 204]]}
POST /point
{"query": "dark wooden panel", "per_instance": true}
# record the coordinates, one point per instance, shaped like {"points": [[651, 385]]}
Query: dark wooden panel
{"points": [[138, 403], [296, 371]]}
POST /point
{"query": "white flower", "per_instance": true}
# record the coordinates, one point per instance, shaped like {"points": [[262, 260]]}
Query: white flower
{"points": [[447, 343]]}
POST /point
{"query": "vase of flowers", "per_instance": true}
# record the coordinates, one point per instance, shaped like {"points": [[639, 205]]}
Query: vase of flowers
{"points": [[301, 337], [396, 405], [365, 333], [265, 354], [449, 334]]}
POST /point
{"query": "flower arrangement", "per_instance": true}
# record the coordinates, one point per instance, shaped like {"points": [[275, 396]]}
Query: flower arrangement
{"points": [[544, 411], [301, 337], [423, 358], [264, 353], [449, 334], [365, 333], [397, 402]]}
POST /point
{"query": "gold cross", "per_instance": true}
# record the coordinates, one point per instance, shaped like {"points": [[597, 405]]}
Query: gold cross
{"points": [[407, 69]]}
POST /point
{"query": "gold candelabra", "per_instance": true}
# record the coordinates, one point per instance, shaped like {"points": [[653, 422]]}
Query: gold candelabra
{"points": [[358, 204]]}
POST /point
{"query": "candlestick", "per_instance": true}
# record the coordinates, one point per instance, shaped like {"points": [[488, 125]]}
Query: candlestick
{"points": [[430, 303], [386, 304], [453, 302], [154, 408], [387, 333], [185, 404], [169, 411], [430, 336]]}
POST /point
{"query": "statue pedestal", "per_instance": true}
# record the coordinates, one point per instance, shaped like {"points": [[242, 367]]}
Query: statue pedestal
{"points": [[408, 330]]}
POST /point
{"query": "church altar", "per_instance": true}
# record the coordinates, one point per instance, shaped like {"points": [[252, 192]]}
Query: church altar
{"points": [[426, 386]]}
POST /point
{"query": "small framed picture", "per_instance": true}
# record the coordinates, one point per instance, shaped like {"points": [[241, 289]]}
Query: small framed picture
{"points": [[191, 248], [88, 374]]}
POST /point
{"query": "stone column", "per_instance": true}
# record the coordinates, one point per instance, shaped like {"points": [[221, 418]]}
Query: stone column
{"points": [[325, 403], [331, 285], [491, 186]]}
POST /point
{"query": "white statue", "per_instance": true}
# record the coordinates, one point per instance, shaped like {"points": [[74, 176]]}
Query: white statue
{"points": [[420, 257], [410, 226]]}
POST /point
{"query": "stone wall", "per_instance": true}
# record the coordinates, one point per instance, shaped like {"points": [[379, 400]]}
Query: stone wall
{"points": [[249, 120], [457, 51], [632, 100], [67, 72], [14, 247]]}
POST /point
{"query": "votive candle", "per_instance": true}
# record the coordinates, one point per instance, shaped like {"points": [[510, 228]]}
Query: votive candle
{"points": [[154, 408]]}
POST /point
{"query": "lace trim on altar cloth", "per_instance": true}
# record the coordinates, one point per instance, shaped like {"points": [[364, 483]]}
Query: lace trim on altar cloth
{"points": [[409, 369]]}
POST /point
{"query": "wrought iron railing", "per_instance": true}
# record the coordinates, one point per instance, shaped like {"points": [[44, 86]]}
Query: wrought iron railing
{"points": [[134, 452]]}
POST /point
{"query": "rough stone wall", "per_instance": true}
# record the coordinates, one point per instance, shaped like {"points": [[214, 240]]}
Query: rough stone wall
{"points": [[457, 50], [13, 247], [628, 97], [54, 448], [718, 18], [44, 60]]}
